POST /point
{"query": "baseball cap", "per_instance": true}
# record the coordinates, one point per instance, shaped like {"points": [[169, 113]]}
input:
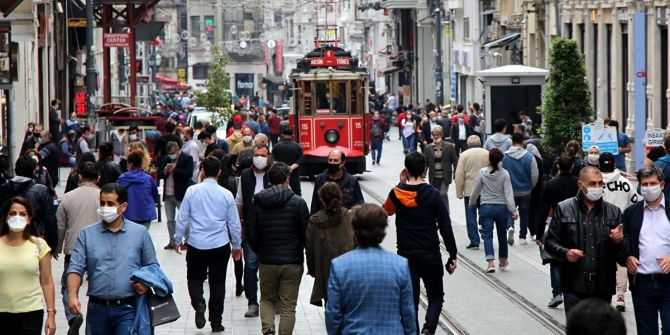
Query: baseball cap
{"points": [[606, 162]]}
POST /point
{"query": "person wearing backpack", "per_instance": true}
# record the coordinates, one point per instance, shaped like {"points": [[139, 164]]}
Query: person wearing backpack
{"points": [[664, 164], [377, 135]]}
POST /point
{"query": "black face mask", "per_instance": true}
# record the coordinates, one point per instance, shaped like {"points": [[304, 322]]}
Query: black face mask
{"points": [[333, 168]]}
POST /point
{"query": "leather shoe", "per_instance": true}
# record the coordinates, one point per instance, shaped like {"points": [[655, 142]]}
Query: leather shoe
{"points": [[200, 320], [218, 328], [170, 246]]}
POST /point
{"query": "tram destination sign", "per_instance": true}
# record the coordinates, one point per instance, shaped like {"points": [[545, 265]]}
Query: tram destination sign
{"points": [[329, 59]]}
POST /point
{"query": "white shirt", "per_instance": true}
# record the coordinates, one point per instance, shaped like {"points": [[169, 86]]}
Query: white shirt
{"points": [[259, 187], [461, 131], [191, 148], [654, 238]]}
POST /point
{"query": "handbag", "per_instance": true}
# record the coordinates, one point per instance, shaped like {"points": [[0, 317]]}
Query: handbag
{"points": [[162, 310]]}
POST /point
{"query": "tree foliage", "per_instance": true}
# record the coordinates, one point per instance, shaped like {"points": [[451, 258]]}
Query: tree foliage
{"points": [[217, 99], [567, 97]]}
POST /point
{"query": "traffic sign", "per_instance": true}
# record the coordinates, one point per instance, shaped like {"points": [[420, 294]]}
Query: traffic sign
{"points": [[601, 136]]}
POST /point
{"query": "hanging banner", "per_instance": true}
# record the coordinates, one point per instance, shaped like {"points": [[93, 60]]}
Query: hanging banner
{"points": [[5, 55]]}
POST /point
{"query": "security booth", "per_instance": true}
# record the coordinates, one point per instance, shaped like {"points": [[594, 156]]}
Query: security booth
{"points": [[510, 89]]}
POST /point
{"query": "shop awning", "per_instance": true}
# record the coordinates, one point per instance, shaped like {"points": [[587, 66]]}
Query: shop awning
{"points": [[503, 41], [7, 6], [163, 79], [389, 70]]}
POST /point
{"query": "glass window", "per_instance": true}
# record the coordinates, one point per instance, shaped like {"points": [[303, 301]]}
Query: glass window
{"points": [[322, 97], [339, 94], [195, 26], [356, 95], [306, 97]]}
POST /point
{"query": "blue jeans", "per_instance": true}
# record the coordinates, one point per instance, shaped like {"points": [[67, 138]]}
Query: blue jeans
{"points": [[250, 274], [376, 147], [555, 273], [651, 297], [103, 320], [409, 143], [523, 202], [490, 214], [471, 222]]}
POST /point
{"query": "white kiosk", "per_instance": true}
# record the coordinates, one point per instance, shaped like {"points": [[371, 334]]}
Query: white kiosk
{"points": [[510, 89]]}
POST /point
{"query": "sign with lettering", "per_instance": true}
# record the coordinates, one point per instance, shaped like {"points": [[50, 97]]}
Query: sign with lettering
{"points": [[80, 102], [603, 137], [5, 54], [329, 59], [244, 84], [76, 22], [115, 40], [654, 138]]}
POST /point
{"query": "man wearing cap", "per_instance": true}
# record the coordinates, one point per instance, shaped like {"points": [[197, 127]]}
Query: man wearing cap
{"points": [[620, 192]]}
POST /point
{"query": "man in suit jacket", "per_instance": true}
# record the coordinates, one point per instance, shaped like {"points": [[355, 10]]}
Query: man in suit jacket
{"points": [[646, 227], [176, 169], [442, 160], [370, 289], [460, 130]]}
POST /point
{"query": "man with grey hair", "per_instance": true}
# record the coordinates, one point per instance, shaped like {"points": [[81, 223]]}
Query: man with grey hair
{"points": [[176, 169], [442, 161], [470, 162], [646, 225]]}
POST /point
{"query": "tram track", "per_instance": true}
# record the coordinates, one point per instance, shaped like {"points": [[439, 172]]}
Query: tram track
{"points": [[447, 321]]}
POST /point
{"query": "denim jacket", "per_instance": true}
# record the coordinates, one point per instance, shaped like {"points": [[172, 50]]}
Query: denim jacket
{"points": [[160, 284]]}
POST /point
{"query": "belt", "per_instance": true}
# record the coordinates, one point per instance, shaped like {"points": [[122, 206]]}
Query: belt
{"points": [[653, 276], [113, 302]]}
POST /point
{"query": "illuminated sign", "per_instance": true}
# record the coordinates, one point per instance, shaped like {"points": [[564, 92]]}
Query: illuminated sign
{"points": [[80, 103]]}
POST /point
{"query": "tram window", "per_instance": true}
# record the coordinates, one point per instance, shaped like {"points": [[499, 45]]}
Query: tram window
{"points": [[339, 97], [307, 98], [322, 95], [355, 94]]}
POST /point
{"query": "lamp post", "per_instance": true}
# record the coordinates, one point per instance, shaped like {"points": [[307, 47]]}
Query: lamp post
{"points": [[90, 62], [439, 86]]}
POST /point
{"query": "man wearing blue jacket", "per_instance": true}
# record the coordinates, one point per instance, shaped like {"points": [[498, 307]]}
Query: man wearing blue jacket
{"points": [[523, 171]]}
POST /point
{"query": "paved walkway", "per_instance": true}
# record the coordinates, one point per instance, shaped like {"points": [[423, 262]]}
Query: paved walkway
{"points": [[309, 318]]}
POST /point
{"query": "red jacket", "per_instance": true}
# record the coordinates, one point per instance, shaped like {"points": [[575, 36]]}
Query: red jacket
{"points": [[273, 123], [400, 117]]}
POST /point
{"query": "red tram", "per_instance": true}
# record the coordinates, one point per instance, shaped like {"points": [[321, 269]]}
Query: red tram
{"points": [[329, 109]]}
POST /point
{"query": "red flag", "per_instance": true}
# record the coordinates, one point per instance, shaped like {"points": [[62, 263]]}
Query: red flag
{"points": [[279, 57]]}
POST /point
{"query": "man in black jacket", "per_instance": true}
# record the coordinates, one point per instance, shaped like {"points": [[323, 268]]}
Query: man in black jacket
{"points": [[276, 232], [49, 155], [108, 170], [337, 173], [252, 181], [562, 187], [170, 135], [421, 212], [176, 171], [647, 252], [289, 152], [586, 234]]}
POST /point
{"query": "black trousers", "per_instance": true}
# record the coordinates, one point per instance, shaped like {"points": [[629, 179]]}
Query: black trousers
{"points": [[200, 264], [28, 323], [571, 300], [426, 266]]}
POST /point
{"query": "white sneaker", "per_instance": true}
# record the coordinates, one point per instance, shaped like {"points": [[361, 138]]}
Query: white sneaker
{"points": [[523, 241], [510, 236]]}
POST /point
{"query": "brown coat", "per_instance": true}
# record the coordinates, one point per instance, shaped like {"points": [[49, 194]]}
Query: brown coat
{"points": [[326, 239]]}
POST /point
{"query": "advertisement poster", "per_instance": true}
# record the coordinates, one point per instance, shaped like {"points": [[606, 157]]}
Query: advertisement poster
{"points": [[5, 54], [244, 84]]}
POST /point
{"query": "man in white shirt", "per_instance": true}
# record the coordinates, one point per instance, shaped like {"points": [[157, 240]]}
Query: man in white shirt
{"points": [[647, 245], [191, 148]]}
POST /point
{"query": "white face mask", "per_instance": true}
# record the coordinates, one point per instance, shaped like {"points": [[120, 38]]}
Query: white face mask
{"points": [[593, 159], [17, 223], [132, 137], [246, 139], [594, 193], [437, 140], [260, 162], [108, 214], [173, 156], [651, 193]]}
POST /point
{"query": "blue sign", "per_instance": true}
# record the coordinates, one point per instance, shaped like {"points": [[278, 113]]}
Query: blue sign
{"points": [[454, 84], [603, 137]]}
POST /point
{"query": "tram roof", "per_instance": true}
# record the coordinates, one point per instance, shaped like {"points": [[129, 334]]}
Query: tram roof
{"points": [[329, 74]]}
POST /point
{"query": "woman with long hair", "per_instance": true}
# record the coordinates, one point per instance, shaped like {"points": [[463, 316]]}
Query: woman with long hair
{"points": [[142, 190], [573, 150], [329, 235], [494, 189], [408, 126], [25, 273], [146, 158]]}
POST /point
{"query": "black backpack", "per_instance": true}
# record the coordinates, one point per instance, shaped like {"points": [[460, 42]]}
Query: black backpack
{"points": [[9, 191]]}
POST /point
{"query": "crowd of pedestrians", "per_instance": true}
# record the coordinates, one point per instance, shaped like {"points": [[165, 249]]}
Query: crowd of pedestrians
{"points": [[239, 197]]}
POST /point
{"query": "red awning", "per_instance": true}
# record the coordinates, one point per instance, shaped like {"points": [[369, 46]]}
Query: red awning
{"points": [[396, 54], [163, 79], [389, 70]]}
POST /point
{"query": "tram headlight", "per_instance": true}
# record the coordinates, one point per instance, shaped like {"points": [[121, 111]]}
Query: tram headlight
{"points": [[332, 136]]}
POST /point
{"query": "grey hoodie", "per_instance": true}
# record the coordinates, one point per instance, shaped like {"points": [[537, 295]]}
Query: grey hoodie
{"points": [[494, 188], [498, 140]]}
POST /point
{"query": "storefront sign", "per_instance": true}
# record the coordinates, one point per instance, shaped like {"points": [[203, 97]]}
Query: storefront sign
{"points": [[244, 84], [80, 101], [76, 22], [5, 55], [654, 138], [115, 40]]}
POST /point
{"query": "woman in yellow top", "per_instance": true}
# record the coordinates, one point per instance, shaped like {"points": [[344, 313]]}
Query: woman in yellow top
{"points": [[25, 274]]}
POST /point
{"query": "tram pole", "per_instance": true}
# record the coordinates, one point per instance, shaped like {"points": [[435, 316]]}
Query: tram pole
{"points": [[90, 63], [439, 85]]}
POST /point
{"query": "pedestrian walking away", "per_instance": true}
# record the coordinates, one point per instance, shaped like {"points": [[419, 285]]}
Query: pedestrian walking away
{"points": [[469, 164], [420, 213], [176, 170], [210, 212], [369, 289], [276, 228], [142, 191], [289, 152]]}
